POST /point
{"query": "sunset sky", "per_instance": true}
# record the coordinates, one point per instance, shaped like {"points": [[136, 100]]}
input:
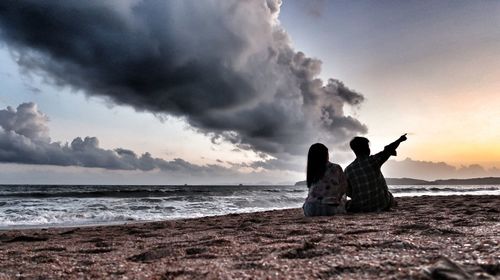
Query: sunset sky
{"points": [[427, 68]]}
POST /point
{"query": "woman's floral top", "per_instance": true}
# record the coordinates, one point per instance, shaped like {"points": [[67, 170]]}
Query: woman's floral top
{"points": [[331, 188]]}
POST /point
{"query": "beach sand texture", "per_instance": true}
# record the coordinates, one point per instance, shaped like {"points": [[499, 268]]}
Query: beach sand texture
{"points": [[410, 241]]}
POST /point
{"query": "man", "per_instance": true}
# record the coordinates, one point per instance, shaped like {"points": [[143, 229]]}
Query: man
{"points": [[367, 187]]}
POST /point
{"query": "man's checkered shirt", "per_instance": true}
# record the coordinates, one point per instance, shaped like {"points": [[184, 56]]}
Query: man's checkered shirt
{"points": [[367, 187]]}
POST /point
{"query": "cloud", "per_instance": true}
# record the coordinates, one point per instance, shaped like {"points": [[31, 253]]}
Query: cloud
{"points": [[428, 170], [226, 66], [48, 174], [314, 8], [274, 164], [24, 138], [26, 121]]}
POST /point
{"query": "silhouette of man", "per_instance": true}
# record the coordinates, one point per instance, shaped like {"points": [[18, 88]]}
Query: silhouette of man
{"points": [[367, 187]]}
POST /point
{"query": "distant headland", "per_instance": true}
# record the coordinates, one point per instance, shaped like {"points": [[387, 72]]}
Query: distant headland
{"points": [[411, 181]]}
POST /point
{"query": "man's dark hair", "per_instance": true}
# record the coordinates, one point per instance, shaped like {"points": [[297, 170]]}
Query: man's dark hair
{"points": [[360, 146]]}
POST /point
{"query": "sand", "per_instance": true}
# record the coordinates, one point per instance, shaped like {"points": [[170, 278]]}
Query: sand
{"points": [[423, 238]]}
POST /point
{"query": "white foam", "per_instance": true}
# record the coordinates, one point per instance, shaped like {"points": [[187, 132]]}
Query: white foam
{"points": [[178, 203]]}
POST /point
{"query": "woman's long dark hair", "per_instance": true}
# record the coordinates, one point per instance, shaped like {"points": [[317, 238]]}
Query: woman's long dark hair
{"points": [[316, 163]]}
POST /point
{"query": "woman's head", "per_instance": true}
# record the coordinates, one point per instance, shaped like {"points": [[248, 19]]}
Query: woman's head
{"points": [[316, 163]]}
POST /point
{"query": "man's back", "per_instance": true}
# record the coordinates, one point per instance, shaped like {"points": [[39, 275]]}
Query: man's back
{"points": [[367, 187]]}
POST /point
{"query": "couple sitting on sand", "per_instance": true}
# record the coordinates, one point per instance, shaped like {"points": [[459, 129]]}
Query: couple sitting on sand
{"points": [[362, 181]]}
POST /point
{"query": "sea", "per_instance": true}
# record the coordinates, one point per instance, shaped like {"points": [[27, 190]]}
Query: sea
{"points": [[34, 206]]}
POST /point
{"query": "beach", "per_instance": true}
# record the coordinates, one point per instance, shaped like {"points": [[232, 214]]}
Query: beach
{"points": [[424, 237]]}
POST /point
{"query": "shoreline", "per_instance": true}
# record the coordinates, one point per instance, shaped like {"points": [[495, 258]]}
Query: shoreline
{"points": [[407, 242], [127, 222]]}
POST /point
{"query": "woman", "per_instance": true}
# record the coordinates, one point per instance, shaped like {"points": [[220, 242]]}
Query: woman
{"points": [[326, 182]]}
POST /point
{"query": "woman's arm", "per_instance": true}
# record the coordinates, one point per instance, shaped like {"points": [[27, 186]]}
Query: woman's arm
{"points": [[342, 182]]}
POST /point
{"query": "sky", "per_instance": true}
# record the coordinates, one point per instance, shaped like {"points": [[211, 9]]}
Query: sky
{"points": [[227, 92]]}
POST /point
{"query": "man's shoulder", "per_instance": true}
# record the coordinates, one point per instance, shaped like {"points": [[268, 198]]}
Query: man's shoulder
{"points": [[351, 166], [380, 157]]}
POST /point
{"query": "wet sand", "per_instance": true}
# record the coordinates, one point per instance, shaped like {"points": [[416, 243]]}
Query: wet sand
{"points": [[424, 237]]}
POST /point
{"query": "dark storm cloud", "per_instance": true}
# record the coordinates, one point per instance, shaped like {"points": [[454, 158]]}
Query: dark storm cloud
{"points": [[24, 138], [226, 66]]}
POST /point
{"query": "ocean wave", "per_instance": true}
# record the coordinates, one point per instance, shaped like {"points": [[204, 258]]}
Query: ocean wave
{"points": [[25, 206], [110, 193]]}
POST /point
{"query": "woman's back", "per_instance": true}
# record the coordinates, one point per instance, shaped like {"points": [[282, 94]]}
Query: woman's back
{"points": [[326, 182], [329, 189]]}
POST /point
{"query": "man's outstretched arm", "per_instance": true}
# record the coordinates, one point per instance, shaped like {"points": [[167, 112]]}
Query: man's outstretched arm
{"points": [[389, 150]]}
